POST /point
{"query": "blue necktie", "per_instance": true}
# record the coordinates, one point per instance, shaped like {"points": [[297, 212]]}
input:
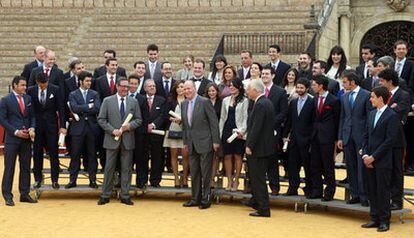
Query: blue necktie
{"points": [[84, 96], [122, 108], [377, 116], [351, 99], [166, 87]]}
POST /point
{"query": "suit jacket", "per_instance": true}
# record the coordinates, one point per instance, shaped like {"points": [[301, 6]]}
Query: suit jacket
{"points": [[260, 132], [157, 71], [203, 85], [279, 99], [353, 120], [87, 116], [157, 114], [47, 115], [401, 98], [281, 70], [407, 72], [101, 85], [240, 115], [241, 75], [300, 127], [159, 84], [142, 102], [204, 129], [110, 119], [55, 77], [379, 140], [360, 70], [100, 71], [67, 75], [70, 86], [305, 73], [12, 119], [27, 70], [367, 83], [333, 87], [326, 123]]}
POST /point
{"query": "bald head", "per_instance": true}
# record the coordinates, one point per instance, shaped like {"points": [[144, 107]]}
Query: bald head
{"points": [[189, 89], [39, 52]]}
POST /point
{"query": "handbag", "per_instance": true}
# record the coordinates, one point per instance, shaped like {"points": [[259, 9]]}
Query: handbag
{"points": [[175, 134]]}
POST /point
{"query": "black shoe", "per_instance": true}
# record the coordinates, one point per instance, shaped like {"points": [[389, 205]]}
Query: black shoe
{"points": [[383, 227], [314, 196], [395, 206], [155, 185], [140, 185], [353, 201], [93, 185], [55, 185], [370, 224], [274, 193], [205, 205], [291, 193], [27, 199], [103, 201], [365, 203], [70, 185], [185, 186], [344, 181], [191, 203], [327, 199], [9, 202], [260, 214], [127, 201], [37, 185], [117, 185]]}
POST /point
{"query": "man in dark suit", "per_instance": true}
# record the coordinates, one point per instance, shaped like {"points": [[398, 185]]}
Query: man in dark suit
{"points": [[260, 145], [403, 66], [71, 67], [153, 66], [372, 80], [39, 52], [279, 66], [101, 70], [166, 83], [355, 107], [246, 61], [153, 117], [17, 118], [400, 103], [139, 70], [379, 137], [201, 138], [279, 99], [367, 54], [325, 133], [297, 133], [86, 103], [305, 65], [319, 68], [199, 80], [47, 105]]}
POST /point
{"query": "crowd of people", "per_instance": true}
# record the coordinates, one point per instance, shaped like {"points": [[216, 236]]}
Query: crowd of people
{"points": [[267, 113]]}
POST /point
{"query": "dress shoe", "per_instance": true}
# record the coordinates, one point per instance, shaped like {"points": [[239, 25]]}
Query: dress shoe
{"points": [[140, 185], [291, 193], [155, 185], [205, 205], [344, 181], [260, 214], [9, 202], [191, 203], [383, 227], [370, 224], [55, 185], [37, 185], [274, 193], [93, 185], [409, 171], [365, 203], [27, 199], [314, 196], [127, 201], [353, 201], [185, 185], [395, 206], [70, 185], [103, 201], [326, 199]]}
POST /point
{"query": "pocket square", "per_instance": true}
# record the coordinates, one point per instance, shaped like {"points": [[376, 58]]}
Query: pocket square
{"points": [[327, 107], [91, 100], [157, 108], [29, 104], [51, 96]]}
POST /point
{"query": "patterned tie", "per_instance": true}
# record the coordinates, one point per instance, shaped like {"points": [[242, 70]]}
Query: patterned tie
{"points": [[398, 68], [47, 72], [122, 108], [112, 84], [190, 112], [21, 103], [149, 103]]}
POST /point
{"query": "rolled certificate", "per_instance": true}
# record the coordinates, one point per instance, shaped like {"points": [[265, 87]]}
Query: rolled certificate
{"points": [[127, 119], [158, 132], [61, 141], [232, 137], [76, 116], [31, 134], [285, 146], [175, 115]]}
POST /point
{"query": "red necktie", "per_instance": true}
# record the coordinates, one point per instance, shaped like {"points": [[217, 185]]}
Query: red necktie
{"points": [[112, 85], [389, 99], [47, 72], [320, 107], [267, 91], [21, 103], [150, 103]]}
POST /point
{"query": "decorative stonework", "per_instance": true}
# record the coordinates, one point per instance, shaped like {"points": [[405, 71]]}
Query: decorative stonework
{"points": [[398, 5]]}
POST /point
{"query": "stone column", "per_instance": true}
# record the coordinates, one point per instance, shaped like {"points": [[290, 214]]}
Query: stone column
{"points": [[344, 13]]}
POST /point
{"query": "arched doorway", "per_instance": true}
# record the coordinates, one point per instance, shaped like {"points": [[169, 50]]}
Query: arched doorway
{"points": [[385, 34]]}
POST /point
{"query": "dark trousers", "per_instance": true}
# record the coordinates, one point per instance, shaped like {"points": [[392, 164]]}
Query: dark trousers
{"points": [[152, 145], [11, 151], [379, 194], [99, 148], [397, 176], [200, 171], [298, 156], [257, 168], [138, 154], [46, 137], [322, 164], [272, 172], [84, 143], [409, 136], [355, 169]]}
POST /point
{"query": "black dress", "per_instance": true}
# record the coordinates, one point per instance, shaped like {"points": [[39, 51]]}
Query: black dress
{"points": [[237, 146]]}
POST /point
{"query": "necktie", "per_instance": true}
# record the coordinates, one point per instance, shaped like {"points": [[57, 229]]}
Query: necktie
{"points": [[47, 72], [389, 99], [112, 84], [300, 105], [398, 68], [21, 103], [84, 96], [152, 70], [131, 95], [267, 91], [42, 97], [166, 86], [150, 103], [377, 116], [374, 81], [122, 108], [351, 99], [77, 81], [190, 112], [320, 107]]}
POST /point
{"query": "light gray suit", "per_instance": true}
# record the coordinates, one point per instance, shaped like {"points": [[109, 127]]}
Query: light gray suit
{"points": [[109, 119], [199, 136], [157, 71]]}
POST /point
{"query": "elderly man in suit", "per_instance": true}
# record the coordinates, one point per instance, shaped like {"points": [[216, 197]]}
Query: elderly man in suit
{"points": [[119, 138], [17, 118], [39, 52], [101, 70], [355, 107], [51, 70], [201, 137]]}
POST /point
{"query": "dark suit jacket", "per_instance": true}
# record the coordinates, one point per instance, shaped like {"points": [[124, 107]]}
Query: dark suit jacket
{"points": [[326, 124], [27, 70], [101, 86], [333, 87], [300, 126], [70, 86], [217, 107], [353, 120], [241, 75], [12, 119], [407, 72], [281, 70], [100, 71], [87, 116], [305, 74], [142, 101], [55, 77], [46, 116], [403, 105], [157, 71], [156, 115], [203, 85], [159, 84], [367, 83], [66, 75], [360, 70], [279, 99], [379, 140], [260, 132]]}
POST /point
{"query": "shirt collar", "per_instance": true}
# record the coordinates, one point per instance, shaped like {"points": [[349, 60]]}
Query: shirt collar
{"points": [[165, 79], [382, 109], [83, 91], [401, 61], [356, 90], [109, 76], [39, 63], [304, 97], [119, 97], [325, 94], [395, 90], [276, 63], [16, 94]]}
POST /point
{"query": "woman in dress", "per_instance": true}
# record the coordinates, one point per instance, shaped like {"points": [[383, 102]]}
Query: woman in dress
{"points": [[229, 73], [186, 72], [289, 83], [219, 63], [173, 138], [233, 119]]}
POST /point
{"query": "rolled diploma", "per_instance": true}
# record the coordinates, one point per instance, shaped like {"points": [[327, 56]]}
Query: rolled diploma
{"points": [[232, 137], [76, 116], [61, 141], [127, 119], [175, 115], [158, 132]]}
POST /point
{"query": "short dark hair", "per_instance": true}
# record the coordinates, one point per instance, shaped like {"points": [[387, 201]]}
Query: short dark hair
{"points": [[247, 51], [272, 70], [304, 81], [369, 47], [133, 76], [306, 53], [74, 63], [109, 51], [118, 81], [399, 42], [140, 62], [389, 74], [152, 47], [108, 61], [321, 80], [41, 78], [275, 46], [201, 61], [258, 64], [83, 75], [381, 91], [352, 75], [17, 79], [165, 62], [322, 63]]}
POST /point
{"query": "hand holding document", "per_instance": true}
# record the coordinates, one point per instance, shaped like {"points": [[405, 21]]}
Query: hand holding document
{"points": [[127, 120]]}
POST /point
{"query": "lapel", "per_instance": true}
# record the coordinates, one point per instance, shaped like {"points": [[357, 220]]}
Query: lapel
{"points": [[305, 105], [36, 94], [17, 106], [195, 109], [395, 97], [48, 93], [115, 101], [106, 85], [380, 120]]}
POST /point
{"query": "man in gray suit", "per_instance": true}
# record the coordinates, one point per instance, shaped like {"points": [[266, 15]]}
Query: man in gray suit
{"points": [[112, 114], [355, 107], [201, 137], [153, 66]]}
